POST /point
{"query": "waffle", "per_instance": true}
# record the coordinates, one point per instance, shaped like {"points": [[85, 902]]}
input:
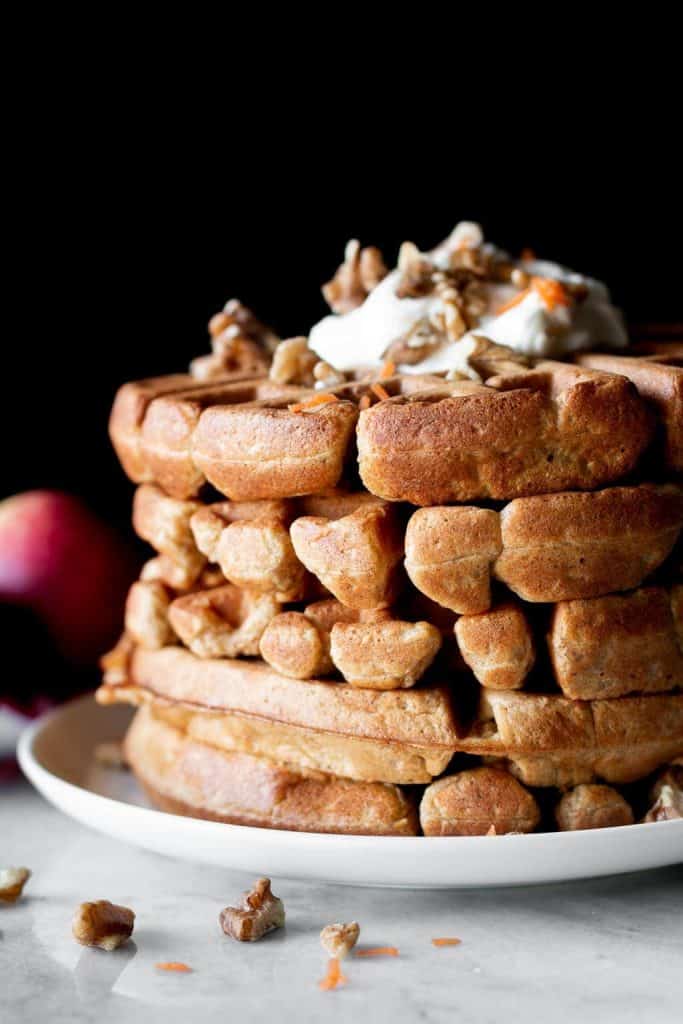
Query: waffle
{"points": [[197, 780], [469, 585]]}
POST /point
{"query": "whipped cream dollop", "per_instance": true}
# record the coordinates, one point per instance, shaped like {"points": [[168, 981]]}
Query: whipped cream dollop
{"points": [[518, 308]]}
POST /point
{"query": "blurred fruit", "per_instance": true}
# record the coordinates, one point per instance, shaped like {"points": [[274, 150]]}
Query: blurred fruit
{"points": [[71, 569]]}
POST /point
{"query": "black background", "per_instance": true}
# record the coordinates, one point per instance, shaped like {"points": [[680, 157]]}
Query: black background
{"points": [[136, 210]]}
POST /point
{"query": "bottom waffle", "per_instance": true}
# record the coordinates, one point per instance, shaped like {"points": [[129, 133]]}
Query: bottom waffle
{"points": [[187, 777]]}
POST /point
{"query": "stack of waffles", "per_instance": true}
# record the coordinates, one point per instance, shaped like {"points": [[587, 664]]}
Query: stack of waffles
{"points": [[401, 604]]}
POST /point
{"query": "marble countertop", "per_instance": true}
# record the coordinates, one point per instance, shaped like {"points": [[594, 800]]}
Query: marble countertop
{"points": [[604, 950]]}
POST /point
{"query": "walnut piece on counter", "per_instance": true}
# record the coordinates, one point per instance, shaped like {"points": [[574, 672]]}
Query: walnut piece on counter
{"points": [[361, 272], [259, 912], [12, 882], [102, 924], [339, 939]]}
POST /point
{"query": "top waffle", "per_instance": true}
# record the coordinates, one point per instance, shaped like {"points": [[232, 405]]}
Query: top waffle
{"points": [[419, 439]]}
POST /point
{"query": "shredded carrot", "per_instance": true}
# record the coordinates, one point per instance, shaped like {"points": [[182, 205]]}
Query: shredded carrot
{"points": [[334, 976], [446, 942], [321, 399], [378, 390], [378, 951], [388, 370], [527, 255], [552, 293], [174, 965], [365, 402]]}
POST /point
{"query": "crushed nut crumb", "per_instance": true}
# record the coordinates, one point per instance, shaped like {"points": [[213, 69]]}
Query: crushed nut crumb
{"points": [[339, 939], [103, 924], [259, 912], [12, 882]]}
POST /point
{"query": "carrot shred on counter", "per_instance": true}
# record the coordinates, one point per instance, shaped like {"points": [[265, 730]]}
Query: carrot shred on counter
{"points": [[365, 403], [388, 370], [334, 976], [446, 942], [321, 399], [381, 392], [378, 951], [174, 965], [552, 293]]}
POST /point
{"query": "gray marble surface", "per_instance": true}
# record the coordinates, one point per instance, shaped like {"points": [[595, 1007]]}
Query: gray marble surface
{"points": [[604, 950]]}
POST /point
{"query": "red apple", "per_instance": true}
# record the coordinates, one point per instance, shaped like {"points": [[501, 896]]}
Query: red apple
{"points": [[68, 566]]}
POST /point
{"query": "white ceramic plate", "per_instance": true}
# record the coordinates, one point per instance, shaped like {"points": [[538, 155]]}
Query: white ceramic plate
{"points": [[56, 753]]}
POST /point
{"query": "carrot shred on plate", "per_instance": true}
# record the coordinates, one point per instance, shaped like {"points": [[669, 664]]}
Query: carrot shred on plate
{"points": [[321, 399], [378, 951], [174, 965], [446, 942], [381, 392], [334, 976], [388, 370]]}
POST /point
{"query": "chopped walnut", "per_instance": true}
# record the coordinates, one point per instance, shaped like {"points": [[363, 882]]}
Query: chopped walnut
{"points": [[239, 343], [259, 912], [326, 376], [12, 882], [339, 939], [293, 362], [102, 924], [361, 272], [110, 755], [667, 794]]}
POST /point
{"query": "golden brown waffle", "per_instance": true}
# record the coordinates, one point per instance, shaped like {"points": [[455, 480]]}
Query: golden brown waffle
{"points": [[187, 777], [429, 442]]}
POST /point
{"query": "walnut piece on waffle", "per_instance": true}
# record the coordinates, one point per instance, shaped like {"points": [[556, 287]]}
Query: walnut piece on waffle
{"points": [[223, 622], [384, 655], [239, 343], [592, 806], [165, 524], [147, 615], [293, 362], [498, 646], [620, 644], [356, 557], [361, 272], [559, 547], [449, 552], [470, 802]]}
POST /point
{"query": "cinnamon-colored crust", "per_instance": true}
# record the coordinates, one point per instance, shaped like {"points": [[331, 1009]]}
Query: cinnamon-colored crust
{"points": [[264, 450], [501, 444], [449, 553], [592, 807], [498, 646], [186, 777], [559, 547], [472, 801], [345, 756], [661, 383], [621, 644], [385, 655], [421, 717], [356, 557], [549, 740]]}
